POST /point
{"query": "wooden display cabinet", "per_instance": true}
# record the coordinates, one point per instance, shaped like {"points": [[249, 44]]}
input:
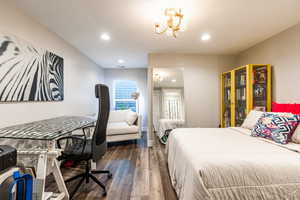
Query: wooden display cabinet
{"points": [[243, 89]]}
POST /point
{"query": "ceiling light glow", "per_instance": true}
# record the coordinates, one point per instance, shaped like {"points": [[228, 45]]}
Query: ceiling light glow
{"points": [[105, 37], [173, 80], [121, 61], [205, 37]]}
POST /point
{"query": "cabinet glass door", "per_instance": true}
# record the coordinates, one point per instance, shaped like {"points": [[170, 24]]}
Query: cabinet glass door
{"points": [[240, 96], [260, 80], [227, 100]]}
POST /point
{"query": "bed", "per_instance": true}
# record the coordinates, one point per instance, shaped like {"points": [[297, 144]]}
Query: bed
{"points": [[229, 164]]}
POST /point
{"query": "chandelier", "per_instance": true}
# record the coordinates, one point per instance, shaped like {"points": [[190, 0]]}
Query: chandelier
{"points": [[171, 24]]}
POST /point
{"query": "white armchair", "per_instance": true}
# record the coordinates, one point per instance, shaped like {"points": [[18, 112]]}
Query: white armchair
{"points": [[123, 125]]}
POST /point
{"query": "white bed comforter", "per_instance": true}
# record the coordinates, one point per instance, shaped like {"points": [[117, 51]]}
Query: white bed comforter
{"points": [[228, 164]]}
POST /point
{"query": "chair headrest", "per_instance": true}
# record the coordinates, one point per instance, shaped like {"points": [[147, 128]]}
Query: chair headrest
{"points": [[100, 88]]}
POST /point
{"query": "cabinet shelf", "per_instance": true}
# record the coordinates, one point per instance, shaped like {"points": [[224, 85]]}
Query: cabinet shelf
{"points": [[240, 86]]}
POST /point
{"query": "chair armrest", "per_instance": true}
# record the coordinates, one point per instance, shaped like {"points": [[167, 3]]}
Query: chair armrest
{"points": [[83, 130], [89, 126], [76, 137]]}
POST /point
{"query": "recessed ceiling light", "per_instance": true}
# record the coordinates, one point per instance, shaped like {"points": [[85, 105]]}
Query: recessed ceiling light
{"points": [[105, 36], [205, 37], [121, 61], [173, 80]]}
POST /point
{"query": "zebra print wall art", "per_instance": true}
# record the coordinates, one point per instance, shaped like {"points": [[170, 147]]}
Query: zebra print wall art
{"points": [[28, 73]]}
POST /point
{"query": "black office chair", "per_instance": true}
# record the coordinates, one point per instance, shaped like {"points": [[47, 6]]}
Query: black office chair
{"points": [[80, 148]]}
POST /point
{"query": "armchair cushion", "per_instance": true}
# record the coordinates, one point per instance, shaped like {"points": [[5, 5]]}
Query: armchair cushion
{"points": [[121, 128]]}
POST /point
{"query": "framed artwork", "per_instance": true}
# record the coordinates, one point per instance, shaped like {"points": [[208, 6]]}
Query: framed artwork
{"points": [[28, 73]]}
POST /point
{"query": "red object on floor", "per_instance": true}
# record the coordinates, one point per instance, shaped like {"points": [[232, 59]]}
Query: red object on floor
{"points": [[290, 108], [69, 163]]}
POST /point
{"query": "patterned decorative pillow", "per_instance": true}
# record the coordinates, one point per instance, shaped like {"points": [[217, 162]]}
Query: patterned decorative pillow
{"points": [[276, 126]]}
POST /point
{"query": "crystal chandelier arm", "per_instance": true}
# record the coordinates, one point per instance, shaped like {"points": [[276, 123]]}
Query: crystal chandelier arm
{"points": [[180, 16], [174, 34], [160, 32]]}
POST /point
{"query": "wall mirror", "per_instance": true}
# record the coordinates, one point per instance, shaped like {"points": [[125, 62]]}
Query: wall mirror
{"points": [[168, 101]]}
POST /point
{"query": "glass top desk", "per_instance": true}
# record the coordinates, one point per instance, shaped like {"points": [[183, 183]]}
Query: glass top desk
{"points": [[47, 131]]}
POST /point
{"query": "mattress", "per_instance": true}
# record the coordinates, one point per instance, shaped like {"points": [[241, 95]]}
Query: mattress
{"points": [[229, 164]]}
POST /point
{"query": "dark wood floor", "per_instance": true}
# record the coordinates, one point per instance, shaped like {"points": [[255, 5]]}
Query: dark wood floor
{"points": [[139, 173]]}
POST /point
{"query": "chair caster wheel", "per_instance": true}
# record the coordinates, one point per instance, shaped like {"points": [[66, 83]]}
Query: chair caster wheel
{"points": [[109, 175], [104, 194]]}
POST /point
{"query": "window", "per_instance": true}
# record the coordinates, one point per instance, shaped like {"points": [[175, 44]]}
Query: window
{"points": [[122, 95], [173, 104]]}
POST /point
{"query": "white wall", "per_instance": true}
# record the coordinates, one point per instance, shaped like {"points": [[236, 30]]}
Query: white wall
{"points": [[201, 84], [282, 51], [81, 74], [138, 75]]}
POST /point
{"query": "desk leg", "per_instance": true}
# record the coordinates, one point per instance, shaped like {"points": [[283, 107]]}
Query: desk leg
{"points": [[60, 180], [39, 186]]}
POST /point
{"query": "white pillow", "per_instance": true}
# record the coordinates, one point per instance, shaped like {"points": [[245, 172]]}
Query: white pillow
{"points": [[251, 119], [131, 117], [118, 116], [296, 135]]}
